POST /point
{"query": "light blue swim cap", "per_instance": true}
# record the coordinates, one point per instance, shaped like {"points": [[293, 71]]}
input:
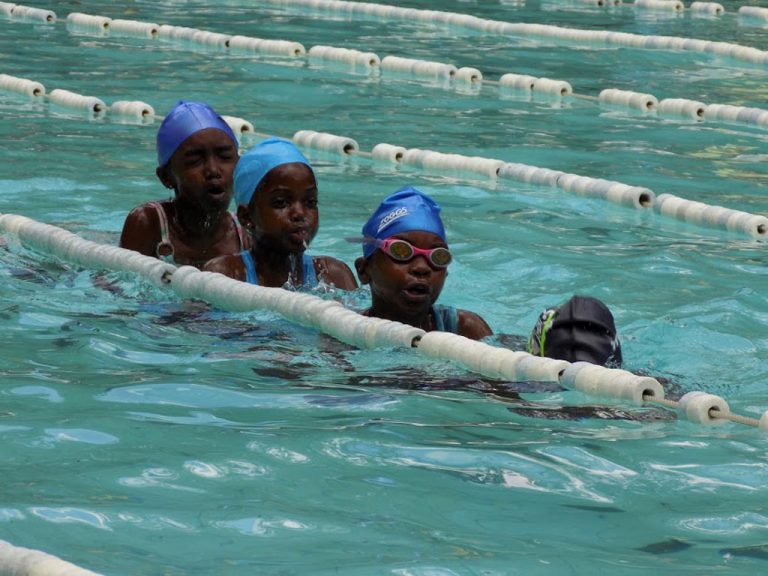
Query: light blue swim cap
{"points": [[185, 119], [258, 161], [406, 210]]}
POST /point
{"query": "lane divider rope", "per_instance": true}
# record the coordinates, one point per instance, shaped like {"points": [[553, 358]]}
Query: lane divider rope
{"points": [[669, 205], [332, 318], [19, 561], [462, 79]]}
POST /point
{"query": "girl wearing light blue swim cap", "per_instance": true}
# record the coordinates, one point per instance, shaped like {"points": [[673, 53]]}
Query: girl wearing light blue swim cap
{"points": [[276, 195], [196, 154], [405, 261]]}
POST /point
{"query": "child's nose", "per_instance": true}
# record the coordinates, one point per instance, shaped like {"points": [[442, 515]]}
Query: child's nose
{"points": [[298, 211], [212, 167], [419, 266]]}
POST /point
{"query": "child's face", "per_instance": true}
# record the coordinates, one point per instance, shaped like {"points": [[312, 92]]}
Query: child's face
{"points": [[283, 214], [403, 289], [201, 169]]}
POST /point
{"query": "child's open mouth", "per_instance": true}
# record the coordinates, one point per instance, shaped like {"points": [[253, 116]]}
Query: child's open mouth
{"points": [[417, 292], [216, 191], [299, 235]]}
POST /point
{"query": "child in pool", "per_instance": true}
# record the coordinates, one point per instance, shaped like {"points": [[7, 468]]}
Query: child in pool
{"points": [[276, 195], [196, 154], [582, 329], [405, 261]]}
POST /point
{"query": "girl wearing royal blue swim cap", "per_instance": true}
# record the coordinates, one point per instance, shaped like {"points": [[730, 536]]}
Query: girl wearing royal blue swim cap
{"points": [[196, 155], [405, 261], [276, 195]]}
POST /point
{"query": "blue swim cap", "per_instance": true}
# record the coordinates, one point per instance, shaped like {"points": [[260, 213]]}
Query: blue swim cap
{"points": [[185, 119], [258, 161], [406, 210]]}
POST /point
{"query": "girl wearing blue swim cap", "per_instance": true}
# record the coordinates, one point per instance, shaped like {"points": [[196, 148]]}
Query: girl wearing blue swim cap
{"points": [[276, 195], [197, 154], [405, 261]]}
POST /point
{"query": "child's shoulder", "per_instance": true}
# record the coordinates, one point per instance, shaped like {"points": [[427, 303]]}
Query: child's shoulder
{"points": [[473, 325], [230, 265], [334, 271]]}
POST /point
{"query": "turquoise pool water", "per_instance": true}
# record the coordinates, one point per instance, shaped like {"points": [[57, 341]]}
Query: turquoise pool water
{"points": [[146, 435]]}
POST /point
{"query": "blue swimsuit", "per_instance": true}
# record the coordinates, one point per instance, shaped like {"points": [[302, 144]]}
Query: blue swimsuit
{"points": [[308, 269], [446, 318]]}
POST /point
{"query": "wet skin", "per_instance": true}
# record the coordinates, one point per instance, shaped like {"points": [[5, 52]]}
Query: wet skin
{"points": [[405, 291], [200, 227], [282, 219]]}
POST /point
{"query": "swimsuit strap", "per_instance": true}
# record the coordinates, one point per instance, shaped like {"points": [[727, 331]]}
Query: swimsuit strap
{"points": [[446, 318], [250, 267], [310, 275], [164, 248], [307, 263], [240, 231]]}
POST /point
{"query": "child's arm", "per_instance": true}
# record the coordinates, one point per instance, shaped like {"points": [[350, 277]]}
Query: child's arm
{"points": [[231, 266], [333, 271], [141, 231], [473, 326]]}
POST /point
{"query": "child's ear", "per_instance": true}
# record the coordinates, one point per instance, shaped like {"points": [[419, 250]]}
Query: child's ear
{"points": [[164, 176], [361, 265], [244, 217]]}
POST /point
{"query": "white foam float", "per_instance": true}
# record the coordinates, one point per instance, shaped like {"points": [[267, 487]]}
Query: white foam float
{"points": [[24, 86]]}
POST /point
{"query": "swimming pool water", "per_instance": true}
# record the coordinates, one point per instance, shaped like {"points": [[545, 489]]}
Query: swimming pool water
{"points": [[146, 435]]}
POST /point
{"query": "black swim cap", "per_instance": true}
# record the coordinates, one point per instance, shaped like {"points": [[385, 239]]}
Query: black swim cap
{"points": [[580, 330]]}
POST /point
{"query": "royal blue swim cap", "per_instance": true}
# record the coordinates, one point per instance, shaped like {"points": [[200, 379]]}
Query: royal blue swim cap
{"points": [[185, 119], [406, 210], [258, 161]]}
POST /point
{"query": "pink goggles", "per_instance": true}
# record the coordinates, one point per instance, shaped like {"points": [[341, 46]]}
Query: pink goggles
{"points": [[402, 251]]}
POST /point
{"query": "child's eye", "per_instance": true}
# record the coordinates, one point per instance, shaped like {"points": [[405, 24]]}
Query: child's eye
{"points": [[311, 203], [227, 153], [279, 203]]}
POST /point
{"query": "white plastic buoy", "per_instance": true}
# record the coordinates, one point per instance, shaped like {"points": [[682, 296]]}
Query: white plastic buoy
{"points": [[272, 47], [598, 380], [67, 99], [21, 561], [635, 196], [451, 163], [214, 39], [681, 108], [668, 5], [238, 125], [739, 114], [88, 22], [697, 407], [530, 174], [176, 33], [35, 14], [552, 87], [518, 82], [325, 142], [29, 88], [754, 12], [133, 28], [354, 58], [388, 153], [628, 99], [707, 8], [754, 225], [468, 76], [133, 110], [418, 68]]}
